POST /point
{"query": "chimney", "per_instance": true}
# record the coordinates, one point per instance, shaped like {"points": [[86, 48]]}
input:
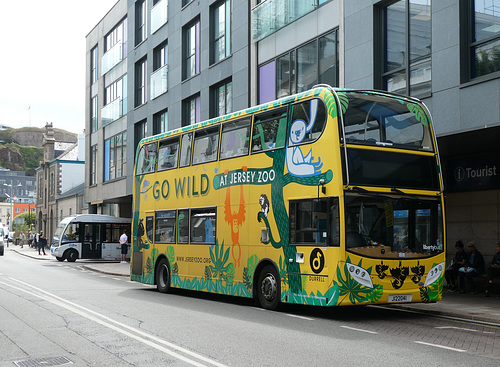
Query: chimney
{"points": [[48, 143]]}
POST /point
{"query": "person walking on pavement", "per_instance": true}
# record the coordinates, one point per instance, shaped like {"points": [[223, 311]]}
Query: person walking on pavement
{"points": [[22, 238], [493, 270], [124, 246], [473, 267], [41, 242]]}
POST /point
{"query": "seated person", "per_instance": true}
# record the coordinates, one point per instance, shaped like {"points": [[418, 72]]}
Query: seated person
{"points": [[473, 267], [493, 270], [459, 260]]}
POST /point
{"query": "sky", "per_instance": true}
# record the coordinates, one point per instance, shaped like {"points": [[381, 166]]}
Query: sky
{"points": [[42, 61]]}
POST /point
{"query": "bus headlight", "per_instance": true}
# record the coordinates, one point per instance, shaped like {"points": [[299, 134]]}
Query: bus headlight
{"points": [[360, 275], [434, 274]]}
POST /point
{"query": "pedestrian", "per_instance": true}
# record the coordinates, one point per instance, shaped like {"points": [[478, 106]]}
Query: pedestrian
{"points": [[41, 242], [22, 238], [493, 270], [459, 260], [124, 247], [473, 267]]}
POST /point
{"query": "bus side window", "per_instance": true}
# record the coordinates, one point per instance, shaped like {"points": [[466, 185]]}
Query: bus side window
{"points": [[206, 145], [183, 226], [310, 115], [235, 138], [269, 131], [149, 228], [167, 154], [165, 227], [186, 150], [147, 159], [203, 225]]}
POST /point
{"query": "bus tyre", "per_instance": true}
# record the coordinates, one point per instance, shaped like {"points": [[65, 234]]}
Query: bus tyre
{"points": [[269, 288], [163, 276], [71, 255]]}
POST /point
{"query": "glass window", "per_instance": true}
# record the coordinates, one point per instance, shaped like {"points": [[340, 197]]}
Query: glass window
{"points": [[72, 233], [93, 65], [235, 138], [191, 45], [405, 227], [140, 21], [165, 227], [149, 228], [147, 159], [315, 221], [203, 225], [160, 122], [115, 156], [284, 76], [140, 82], [307, 66], [93, 163], [222, 99], [191, 111], [308, 121], [206, 145], [167, 154], [269, 131], [407, 47], [267, 84], [186, 142], [485, 37], [183, 226], [221, 31]]}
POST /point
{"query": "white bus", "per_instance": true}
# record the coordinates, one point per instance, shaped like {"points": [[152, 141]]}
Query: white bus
{"points": [[89, 236]]}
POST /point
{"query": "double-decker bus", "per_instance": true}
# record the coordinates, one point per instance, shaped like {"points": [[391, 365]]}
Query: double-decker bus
{"points": [[328, 197]]}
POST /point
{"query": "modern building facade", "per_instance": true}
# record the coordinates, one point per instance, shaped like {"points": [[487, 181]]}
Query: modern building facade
{"points": [[159, 65]]}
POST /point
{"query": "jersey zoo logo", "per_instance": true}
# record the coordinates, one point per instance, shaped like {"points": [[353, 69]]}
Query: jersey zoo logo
{"points": [[317, 261]]}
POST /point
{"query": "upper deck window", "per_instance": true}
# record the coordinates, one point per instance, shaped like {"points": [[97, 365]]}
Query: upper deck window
{"points": [[373, 119], [206, 145], [147, 159], [269, 131]]}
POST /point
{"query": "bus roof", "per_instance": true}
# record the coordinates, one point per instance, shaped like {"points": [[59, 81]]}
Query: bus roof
{"points": [[96, 218]]}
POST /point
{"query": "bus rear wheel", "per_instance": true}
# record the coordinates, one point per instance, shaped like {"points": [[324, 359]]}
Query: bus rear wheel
{"points": [[269, 288], [71, 255], [163, 276]]}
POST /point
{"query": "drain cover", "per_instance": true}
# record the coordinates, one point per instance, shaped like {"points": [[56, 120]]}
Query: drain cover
{"points": [[43, 362]]}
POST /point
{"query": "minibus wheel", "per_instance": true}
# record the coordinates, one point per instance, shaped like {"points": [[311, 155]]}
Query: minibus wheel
{"points": [[71, 255], [269, 288], [60, 258], [163, 276]]}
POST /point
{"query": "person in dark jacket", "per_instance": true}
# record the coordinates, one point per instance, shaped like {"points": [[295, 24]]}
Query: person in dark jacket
{"points": [[459, 260], [473, 267], [493, 270], [42, 242]]}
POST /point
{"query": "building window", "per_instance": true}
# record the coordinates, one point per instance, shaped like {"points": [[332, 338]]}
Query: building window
{"points": [[93, 162], [115, 47], [481, 35], [141, 131], [93, 65], [185, 2], [160, 122], [93, 114], [221, 99], [115, 101], [191, 110], [159, 76], [159, 14], [220, 30], [140, 21], [406, 48], [140, 82], [300, 69], [191, 49], [115, 156]]}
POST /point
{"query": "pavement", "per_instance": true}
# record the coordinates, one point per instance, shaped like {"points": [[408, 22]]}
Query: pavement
{"points": [[466, 306]]}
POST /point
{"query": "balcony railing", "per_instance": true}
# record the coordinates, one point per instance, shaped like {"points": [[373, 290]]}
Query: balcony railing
{"points": [[159, 15], [113, 111], [271, 15], [112, 57], [159, 83]]}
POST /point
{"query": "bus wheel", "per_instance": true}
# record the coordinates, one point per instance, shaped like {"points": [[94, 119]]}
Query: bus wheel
{"points": [[269, 288], [163, 276], [71, 255], [60, 258]]}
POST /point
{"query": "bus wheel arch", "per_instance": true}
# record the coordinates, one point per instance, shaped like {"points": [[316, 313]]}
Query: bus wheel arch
{"points": [[71, 255], [267, 285], [162, 275]]}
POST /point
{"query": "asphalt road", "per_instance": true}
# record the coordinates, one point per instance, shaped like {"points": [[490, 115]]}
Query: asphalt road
{"points": [[56, 312]]}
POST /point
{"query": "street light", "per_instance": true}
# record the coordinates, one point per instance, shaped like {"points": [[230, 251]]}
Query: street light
{"points": [[11, 204]]}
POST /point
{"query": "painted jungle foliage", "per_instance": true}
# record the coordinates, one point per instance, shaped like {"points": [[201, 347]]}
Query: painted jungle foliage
{"points": [[279, 202]]}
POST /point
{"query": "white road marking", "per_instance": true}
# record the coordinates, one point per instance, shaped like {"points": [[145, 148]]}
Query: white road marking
{"points": [[300, 317], [455, 327], [441, 346], [356, 329], [119, 327]]}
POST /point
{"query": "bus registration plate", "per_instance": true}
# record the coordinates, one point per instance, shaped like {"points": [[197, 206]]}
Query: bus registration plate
{"points": [[399, 298]]}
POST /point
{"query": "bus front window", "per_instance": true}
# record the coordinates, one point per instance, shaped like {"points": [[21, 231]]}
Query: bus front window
{"points": [[404, 227]]}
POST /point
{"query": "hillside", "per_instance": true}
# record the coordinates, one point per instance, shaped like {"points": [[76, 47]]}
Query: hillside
{"points": [[21, 149]]}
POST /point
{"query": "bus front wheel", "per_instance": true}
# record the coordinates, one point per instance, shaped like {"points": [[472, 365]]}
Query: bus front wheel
{"points": [[71, 255], [60, 258], [269, 288], [163, 276]]}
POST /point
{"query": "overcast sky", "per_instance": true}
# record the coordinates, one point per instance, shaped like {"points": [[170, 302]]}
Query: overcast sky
{"points": [[42, 62]]}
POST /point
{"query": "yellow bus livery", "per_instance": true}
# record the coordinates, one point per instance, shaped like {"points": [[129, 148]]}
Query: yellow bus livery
{"points": [[328, 197]]}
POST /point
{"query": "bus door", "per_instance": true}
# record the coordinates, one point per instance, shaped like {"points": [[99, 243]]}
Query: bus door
{"points": [[91, 245]]}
